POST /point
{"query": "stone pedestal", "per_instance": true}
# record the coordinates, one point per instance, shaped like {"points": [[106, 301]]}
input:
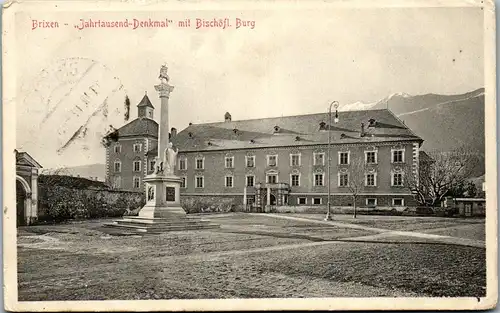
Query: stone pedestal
{"points": [[163, 197], [163, 211]]}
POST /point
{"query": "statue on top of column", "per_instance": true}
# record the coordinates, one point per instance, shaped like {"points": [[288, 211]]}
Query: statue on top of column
{"points": [[164, 78]]}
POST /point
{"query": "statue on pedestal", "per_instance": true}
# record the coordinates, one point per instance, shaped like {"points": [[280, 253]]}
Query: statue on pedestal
{"points": [[170, 158]]}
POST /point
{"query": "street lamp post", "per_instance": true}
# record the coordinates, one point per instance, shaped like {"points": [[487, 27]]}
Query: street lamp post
{"points": [[336, 105]]}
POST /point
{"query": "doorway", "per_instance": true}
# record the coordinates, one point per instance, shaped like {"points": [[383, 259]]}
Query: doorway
{"points": [[20, 204], [272, 200], [468, 210]]}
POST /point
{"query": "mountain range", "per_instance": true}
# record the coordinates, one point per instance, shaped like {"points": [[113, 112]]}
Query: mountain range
{"points": [[444, 122], [91, 171]]}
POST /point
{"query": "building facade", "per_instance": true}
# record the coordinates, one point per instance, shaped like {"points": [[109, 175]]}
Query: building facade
{"points": [[284, 161], [126, 160], [278, 161]]}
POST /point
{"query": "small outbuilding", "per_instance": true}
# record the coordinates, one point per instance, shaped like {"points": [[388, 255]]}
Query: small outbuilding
{"points": [[470, 206], [467, 207], [27, 170]]}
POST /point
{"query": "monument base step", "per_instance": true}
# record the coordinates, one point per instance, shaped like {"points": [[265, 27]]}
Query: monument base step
{"points": [[141, 225]]}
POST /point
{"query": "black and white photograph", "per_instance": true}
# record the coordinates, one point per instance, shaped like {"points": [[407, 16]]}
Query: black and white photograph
{"points": [[252, 155]]}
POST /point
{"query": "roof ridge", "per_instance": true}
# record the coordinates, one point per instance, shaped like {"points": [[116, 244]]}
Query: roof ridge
{"points": [[403, 123], [286, 116]]}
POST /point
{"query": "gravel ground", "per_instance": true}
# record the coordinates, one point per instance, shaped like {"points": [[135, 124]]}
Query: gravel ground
{"points": [[405, 223], [250, 257], [471, 231]]}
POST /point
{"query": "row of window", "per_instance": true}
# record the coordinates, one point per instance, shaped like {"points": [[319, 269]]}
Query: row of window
{"points": [[136, 166], [371, 202], [371, 157], [229, 180], [318, 180], [272, 160], [136, 182], [137, 148]]}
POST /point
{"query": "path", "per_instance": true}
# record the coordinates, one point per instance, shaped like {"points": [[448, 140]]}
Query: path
{"points": [[387, 232]]}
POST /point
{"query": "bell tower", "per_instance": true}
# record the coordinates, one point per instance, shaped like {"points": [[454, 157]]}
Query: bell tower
{"points": [[145, 108]]}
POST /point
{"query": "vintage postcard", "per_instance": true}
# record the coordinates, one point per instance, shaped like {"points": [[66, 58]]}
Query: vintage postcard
{"points": [[249, 155]]}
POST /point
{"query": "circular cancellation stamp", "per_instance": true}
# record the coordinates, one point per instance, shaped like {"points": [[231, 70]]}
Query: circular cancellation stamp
{"points": [[70, 104]]}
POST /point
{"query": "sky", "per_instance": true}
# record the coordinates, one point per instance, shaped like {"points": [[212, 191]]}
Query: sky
{"points": [[291, 62]]}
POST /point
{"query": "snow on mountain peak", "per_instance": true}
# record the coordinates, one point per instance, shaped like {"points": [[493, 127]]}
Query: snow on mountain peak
{"points": [[399, 94], [366, 106], [356, 106]]}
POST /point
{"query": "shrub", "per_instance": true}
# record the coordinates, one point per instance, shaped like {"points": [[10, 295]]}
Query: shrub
{"points": [[58, 203], [208, 204]]}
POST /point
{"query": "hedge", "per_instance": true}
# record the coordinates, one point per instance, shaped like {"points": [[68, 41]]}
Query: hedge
{"points": [[59, 203], [209, 204]]}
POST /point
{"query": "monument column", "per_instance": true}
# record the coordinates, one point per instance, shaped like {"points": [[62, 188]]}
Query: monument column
{"points": [[163, 211], [164, 89], [163, 187]]}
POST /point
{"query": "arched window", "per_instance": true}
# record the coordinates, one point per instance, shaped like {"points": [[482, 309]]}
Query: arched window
{"points": [[117, 166], [137, 182]]}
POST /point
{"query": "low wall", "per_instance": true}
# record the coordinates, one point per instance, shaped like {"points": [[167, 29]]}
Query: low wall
{"points": [[336, 209]]}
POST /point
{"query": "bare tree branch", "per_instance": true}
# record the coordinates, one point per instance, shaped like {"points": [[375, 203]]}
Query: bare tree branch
{"points": [[444, 171]]}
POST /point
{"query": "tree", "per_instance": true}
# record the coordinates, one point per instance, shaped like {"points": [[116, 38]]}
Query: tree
{"points": [[127, 108], [446, 172], [110, 183], [50, 177], [470, 190], [356, 180], [110, 136]]}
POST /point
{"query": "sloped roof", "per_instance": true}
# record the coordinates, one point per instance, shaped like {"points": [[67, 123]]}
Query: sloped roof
{"points": [[300, 130], [23, 158], [145, 102], [424, 157], [138, 127]]}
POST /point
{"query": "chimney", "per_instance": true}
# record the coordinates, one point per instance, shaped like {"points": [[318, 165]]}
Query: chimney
{"points": [[173, 131], [362, 130], [227, 117]]}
